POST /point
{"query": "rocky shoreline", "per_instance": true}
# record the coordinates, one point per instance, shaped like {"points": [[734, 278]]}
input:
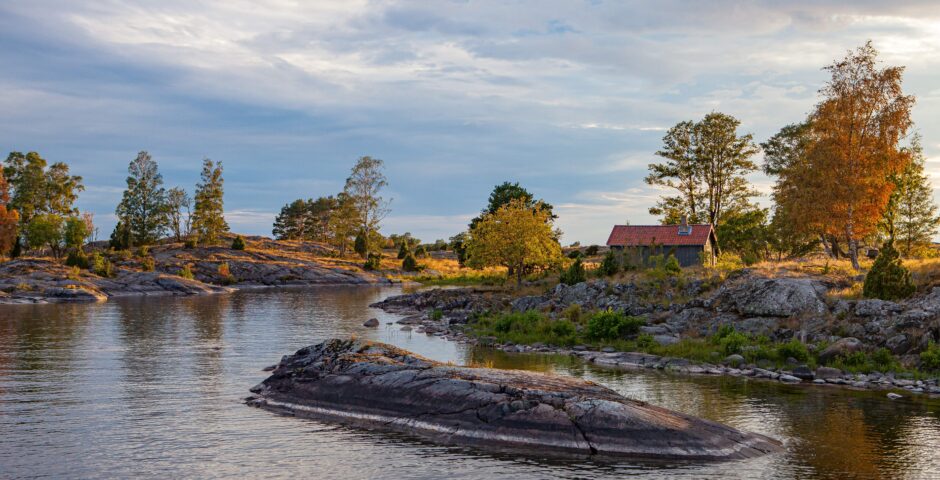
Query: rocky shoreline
{"points": [[379, 386], [780, 308], [269, 264]]}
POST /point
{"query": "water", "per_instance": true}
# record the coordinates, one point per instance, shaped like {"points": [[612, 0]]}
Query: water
{"points": [[154, 388]]}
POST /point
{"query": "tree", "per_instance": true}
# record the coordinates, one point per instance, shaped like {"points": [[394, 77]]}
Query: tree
{"points": [[506, 192], [361, 245], [178, 201], [46, 229], [910, 218], [9, 218], [39, 190], [458, 243], [74, 233], [888, 279], [854, 148], [363, 187], [208, 220], [343, 222], [143, 208], [706, 162], [306, 220], [517, 237], [745, 233]]}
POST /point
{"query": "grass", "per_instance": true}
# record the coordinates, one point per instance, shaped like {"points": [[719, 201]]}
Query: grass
{"points": [[618, 331]]}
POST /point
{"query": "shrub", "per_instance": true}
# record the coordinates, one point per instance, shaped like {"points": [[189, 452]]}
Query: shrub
{"points": [[574, 254], [437, 314], [144, 251], [671, 266], [403, 250], [795, 349], [74, 273], [226, 273], [409, 264], [562, 328], [373, 262], [610, 265], [189, 244], [930, 358], [645, 341], [101, 265], [574, 274], [238, 243], [573, 313], [611, 325], [360, 246], [77, 258], [591, 251], [421, 252], [733, 342], [147, 264], [186, 272], [888, 279]]}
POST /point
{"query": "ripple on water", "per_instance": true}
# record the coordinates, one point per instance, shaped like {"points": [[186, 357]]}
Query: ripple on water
{"points": [[154, 388]]}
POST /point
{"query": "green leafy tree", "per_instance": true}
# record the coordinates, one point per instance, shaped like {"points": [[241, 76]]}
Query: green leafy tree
{"points": [[745, 233], [208, 213], [360, 245], [911, 216], [39, 188], [888, 279], [343, 222], [47, 230], [179, 212], [9, 218], [143, 208], [306, 220], [515, 236], [706, 163], [574, 274], [506, 192], [75, 233], [458, 243]]}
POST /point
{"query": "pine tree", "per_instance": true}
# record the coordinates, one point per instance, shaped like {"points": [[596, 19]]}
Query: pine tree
{"points": [[208, 213], [888, 279], [911, 216], [143, 209]]}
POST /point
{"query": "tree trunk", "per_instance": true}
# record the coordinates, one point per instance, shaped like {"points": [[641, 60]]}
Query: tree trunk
{"points": [[826, 247], [519, 276], [853, 249]]}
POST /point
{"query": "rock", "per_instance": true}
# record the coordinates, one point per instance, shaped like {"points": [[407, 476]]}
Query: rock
{"points": [[381, 387], [789, 379], [842, 346], [826, 373], [898, 344], [734, 360], [819, 381], [773, 297], [894, 396], [406, 328], [803, 373], [665, 339], [371, 323]]}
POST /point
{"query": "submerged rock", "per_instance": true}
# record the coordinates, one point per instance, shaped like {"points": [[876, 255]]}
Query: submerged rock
{"points": [[379, 386]]}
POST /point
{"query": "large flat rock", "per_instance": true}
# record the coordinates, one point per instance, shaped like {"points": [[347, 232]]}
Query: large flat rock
{"points": [[379, 386]]}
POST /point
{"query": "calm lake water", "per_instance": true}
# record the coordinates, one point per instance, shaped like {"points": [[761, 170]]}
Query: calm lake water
{"points": [[154, 388]]}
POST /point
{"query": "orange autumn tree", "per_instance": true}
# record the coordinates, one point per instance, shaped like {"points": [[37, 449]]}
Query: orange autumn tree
{"points": [[843, 185], [8, 218]]}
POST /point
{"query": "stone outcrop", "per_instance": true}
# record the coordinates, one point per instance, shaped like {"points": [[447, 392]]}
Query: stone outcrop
{"points": [[771, 297], [382, 387]]}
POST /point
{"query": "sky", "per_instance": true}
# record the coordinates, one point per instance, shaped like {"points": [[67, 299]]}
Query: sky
{"points": [[569, 98]]}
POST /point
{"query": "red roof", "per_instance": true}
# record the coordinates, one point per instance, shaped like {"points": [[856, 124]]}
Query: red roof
{"points": [[666, 235]]}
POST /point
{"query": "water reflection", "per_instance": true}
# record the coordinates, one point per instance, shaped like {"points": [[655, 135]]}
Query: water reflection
{"points": [[153, 388]]}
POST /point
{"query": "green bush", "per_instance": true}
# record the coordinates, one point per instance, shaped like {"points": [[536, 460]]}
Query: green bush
{"points": [[186, 272], [795, 349], [409, 264], [562, 328], [610, 265], [436, 314], [574, 254], [930, 358], [238, 243], [360, 246], [611, 325], [403, 250], [144, 251], [888, 279], [101, 265], [373, 262], [671, 266], [573, 313], [189, 244], [592, 250], [645, 341], [421, 252], [574, 274], [77, 258], [733, 343]]}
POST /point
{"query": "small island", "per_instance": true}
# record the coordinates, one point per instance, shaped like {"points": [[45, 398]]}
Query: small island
{"points": [[378, 386]]}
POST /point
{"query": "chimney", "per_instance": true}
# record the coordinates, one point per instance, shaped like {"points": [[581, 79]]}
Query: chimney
{"points": [[685, 221], [684, 228]]}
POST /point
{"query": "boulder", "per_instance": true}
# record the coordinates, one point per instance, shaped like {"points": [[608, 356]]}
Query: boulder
{"points": [[827, 373], [773, 297], [381, 387], [371, 323], [733, 360], [803, 373], [841, 347]]}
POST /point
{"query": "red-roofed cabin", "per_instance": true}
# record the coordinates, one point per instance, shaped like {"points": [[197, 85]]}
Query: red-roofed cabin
{"points": [[691, 244]]}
